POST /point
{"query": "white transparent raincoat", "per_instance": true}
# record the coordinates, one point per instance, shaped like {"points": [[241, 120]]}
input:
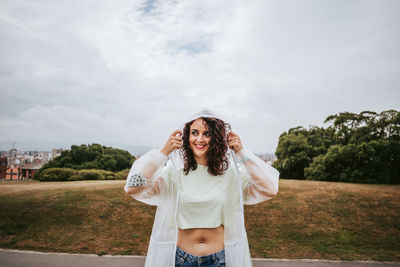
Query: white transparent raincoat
{"points": [[254, 182]]}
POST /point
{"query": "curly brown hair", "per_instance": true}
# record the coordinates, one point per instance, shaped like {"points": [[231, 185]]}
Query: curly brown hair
{"points": [[217, 160]]}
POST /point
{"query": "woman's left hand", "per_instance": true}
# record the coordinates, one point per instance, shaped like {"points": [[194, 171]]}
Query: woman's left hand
{"points": [[234, 142]]}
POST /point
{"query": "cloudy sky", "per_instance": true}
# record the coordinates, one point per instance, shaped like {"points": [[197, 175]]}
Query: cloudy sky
{"points": [[128, 72]]}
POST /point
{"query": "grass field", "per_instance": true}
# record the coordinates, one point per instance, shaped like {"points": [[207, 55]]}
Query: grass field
{"points": [[308, 219]]}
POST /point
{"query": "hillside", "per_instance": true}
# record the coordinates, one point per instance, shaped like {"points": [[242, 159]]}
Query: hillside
{"points": [[308, 219]]}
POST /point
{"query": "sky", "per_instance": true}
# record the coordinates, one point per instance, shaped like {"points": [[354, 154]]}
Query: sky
{"points": [[128, 72]]}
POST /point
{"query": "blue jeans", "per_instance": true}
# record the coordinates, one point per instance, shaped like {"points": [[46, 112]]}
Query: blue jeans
{"points": [[184, 259]]}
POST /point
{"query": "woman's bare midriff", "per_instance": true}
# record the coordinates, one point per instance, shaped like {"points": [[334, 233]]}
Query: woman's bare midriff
{"points": [[201, 241]]}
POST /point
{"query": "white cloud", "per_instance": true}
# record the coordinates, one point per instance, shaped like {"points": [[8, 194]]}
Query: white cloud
{"points": [[129, 71]]}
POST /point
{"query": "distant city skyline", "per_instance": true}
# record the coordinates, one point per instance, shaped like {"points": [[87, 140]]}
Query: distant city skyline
{"points": [[4, 146]]}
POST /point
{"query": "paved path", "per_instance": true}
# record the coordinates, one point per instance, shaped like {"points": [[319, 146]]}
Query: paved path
{"points": [[16, 258]]}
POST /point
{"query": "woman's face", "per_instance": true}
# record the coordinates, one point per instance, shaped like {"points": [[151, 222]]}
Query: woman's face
{"points": [[199, 140]]}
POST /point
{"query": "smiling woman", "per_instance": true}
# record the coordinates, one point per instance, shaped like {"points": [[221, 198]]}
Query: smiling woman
{"points": [[200, 194], [206, 145]]}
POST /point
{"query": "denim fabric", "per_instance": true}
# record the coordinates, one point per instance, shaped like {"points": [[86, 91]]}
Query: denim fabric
{"points": [[184, 259]]}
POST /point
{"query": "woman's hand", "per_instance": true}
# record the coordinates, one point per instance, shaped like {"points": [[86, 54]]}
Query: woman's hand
{"points": [[234, 142], [174, 142]]}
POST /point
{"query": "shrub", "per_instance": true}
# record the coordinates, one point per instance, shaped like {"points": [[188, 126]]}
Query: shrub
{"points": [[372, 162], [92, 156], [109, 175], [121, 175], [67, 174], [56, 174], [88, 175]]}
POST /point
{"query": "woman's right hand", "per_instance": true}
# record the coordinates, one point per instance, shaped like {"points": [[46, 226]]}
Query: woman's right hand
{"points": [[174, 142]]}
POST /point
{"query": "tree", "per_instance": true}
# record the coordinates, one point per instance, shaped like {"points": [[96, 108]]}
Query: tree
{"points": [[292, 153], [92, 156], [361, 147]]}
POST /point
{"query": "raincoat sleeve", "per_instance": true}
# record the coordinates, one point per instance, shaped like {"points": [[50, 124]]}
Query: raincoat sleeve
{"points": [[260, 181], [149, 166]]}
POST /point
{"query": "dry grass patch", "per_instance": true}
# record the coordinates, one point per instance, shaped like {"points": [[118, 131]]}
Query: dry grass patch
{"points": [[12, 187], [308, 219], [80, 217], [341, 221]]}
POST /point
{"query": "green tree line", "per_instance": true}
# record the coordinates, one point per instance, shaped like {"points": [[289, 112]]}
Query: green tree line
{"points": [[363, 148], [94, 156]]}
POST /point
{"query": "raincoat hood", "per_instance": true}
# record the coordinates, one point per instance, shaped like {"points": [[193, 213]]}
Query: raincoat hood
{"points": [[175, 156], [204, 113]]}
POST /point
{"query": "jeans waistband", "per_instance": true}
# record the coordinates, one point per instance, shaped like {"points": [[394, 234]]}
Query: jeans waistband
{"points": [[217, 255]]}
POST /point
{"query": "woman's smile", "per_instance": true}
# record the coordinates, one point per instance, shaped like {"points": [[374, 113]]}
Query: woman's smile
{"points": [[200, 146]]}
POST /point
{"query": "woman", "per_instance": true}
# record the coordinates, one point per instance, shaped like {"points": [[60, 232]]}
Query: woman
{"points": [[200, 194]]}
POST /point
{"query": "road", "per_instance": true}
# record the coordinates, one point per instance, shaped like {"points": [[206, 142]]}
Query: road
{"points": [[16, 258]]}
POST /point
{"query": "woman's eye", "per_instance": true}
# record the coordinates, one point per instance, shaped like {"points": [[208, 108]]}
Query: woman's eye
{"points": [[208, 134]]}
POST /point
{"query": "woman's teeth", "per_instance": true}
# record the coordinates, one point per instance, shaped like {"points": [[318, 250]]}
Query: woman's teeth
{"points": [[199, 146]]}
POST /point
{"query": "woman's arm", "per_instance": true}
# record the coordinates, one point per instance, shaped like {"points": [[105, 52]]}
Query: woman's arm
{"points": [[264, 181], [261, 181], [144, 181], [148, 167]]}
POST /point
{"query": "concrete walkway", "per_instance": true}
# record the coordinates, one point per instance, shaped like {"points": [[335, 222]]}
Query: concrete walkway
{"points": [[17, 258]]}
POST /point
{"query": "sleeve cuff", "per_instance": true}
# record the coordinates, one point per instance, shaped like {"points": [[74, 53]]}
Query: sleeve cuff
{"points": [[156, 156], [242, 155], [163, 156], [160, 156]]}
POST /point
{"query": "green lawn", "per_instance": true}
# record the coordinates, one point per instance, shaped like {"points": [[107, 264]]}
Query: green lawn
{"points": [[308, 219]]}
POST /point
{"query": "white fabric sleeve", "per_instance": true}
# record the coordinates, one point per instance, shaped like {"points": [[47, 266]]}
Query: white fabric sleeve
{"points": [[260, 181], [149, 166]]}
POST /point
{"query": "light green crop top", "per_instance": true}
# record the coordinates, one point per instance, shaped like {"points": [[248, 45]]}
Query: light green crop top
{"points": [[202, 198]]}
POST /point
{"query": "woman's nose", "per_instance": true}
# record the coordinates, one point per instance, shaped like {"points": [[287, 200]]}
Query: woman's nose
{"points": [[200, 137]]}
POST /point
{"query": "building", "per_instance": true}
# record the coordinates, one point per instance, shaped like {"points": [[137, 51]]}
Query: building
{"points": [[22, 165], [12, 174], [268, 158], [25, 172], [28, 171], [13, 157], [55, 153], [3, 167]]}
